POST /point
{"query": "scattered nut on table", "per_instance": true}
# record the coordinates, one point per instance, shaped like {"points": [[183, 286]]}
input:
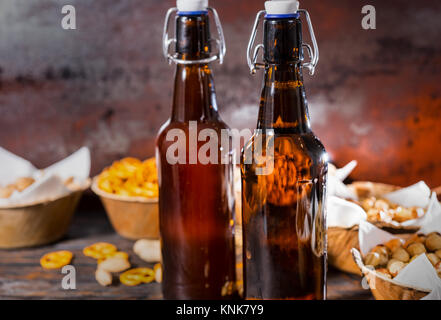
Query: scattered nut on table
{"points": [[103, 277], [148, 250], [114, 264]]}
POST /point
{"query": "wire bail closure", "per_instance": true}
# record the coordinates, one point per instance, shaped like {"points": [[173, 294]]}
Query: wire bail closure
{"points": [[166, 41], [253, 51]]}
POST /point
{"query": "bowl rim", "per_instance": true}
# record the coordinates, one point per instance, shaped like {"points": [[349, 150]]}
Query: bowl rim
{"points": [[82, 188], [112, 196]]}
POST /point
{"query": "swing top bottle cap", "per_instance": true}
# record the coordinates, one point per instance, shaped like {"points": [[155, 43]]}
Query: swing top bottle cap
{"points": [[276, 7], [192, 5]]}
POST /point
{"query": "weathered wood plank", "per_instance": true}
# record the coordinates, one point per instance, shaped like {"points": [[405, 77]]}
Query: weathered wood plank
{"points": [[21, 276]]}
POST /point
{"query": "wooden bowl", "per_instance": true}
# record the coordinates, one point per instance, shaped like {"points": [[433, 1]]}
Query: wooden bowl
{"points": [[39, 223], [342, 240], [384, 288], [131, 217], [340, 243]]}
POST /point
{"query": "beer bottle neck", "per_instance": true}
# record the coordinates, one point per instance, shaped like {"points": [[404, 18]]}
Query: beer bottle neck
{"points": [[283, 105], [194, 94]]}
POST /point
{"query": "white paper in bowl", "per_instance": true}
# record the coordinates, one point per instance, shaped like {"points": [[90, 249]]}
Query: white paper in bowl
{"points": [[431, 221], [49, 182], [370, 236], [416, 195], [13, 167], [343, 213], [76, 165], [336, 187]]}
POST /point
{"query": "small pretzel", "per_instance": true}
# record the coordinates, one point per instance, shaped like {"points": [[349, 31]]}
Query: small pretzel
{"points": [[116, 254], [56, 260], [136, 276], [99, 250]]}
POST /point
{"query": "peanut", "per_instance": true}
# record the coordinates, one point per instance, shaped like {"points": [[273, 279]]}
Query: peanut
{"points": [[103, 277], [148, 250]]}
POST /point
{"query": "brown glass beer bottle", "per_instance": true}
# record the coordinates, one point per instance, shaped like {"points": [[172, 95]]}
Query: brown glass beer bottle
{"points": [[283, 208], [196, 200]]}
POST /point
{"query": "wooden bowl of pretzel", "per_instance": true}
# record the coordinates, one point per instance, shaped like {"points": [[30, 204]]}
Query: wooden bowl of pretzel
{"points": [[128, 190]]}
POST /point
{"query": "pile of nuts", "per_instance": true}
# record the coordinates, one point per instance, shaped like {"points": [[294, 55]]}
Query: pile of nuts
{"points": [[56, 260], [19, 185], [389, 259], [378, 209], [23, 183]]}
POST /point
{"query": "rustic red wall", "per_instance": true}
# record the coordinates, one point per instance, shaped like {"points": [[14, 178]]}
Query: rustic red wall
{"points": [[375, 96]]}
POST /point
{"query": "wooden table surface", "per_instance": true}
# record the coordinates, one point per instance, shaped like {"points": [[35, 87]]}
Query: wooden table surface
{"points": [[21, 276]]}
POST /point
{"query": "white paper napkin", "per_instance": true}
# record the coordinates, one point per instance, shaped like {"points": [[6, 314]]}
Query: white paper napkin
{"points": [[420, 273], [342, 173], [431, 221], [370, 236], [13, 167], [48, 187], [417, 195], [336, 187], [343, 213], [76, 165], [49, 182]]}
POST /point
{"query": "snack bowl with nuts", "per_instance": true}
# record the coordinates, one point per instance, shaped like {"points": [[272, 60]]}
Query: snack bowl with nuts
{"points": [[383, 287], [38, 223], [341, 240], [128, 191], [36, 206], [400, 268]]}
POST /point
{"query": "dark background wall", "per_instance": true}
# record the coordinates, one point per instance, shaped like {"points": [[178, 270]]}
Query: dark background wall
{"points": [[375, 96]]}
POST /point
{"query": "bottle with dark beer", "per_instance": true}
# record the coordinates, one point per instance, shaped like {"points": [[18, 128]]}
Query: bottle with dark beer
{"points": [[283, 206], [196, 199]]}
